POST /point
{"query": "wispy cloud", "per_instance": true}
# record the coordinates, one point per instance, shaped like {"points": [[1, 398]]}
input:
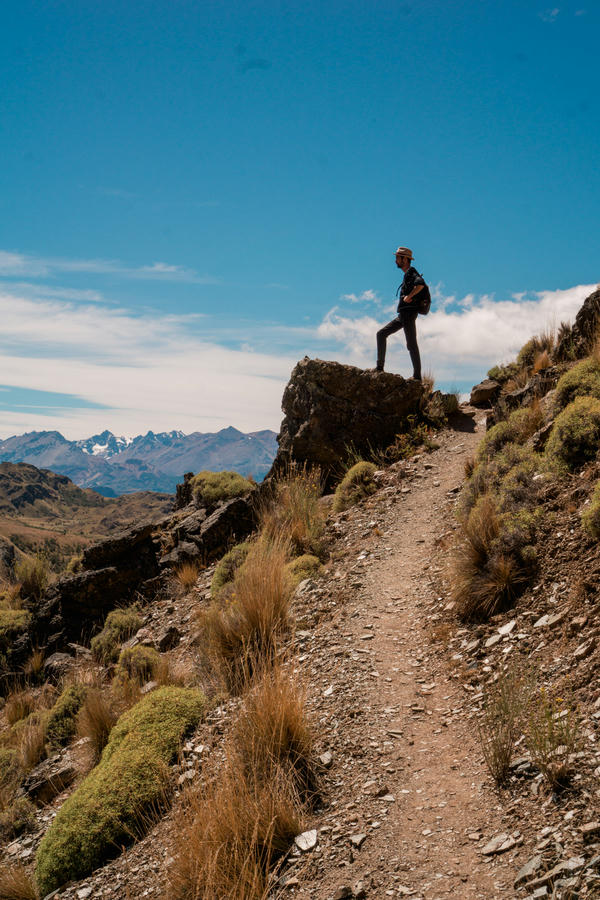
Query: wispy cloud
{"points": [[367, 296], [159, 371], [549, 15], [22, 265]]}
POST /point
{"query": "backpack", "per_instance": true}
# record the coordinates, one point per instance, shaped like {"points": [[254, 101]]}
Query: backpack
{"points": [[424, 299]]}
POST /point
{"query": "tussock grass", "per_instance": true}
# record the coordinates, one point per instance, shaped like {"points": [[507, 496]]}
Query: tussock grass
{"points": [[33, 573], [230, 840], [356, 485], [483, 578], [186, 575], [19, 704], [294, 511], [243, 635], [16, 883], [17, 817], [541, 343], [32, 743], [96, 720], [500, 726], [553, 735]]}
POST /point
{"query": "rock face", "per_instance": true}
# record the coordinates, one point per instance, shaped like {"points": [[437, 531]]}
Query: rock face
{"points": [[484, 393], [330, 408], [577, 341]]}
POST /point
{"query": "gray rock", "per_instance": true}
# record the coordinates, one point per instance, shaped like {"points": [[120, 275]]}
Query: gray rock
{"points": [[58, 664], [357, 840], [168, 638], [499, 844], [484, 393], [50, 778], [531, 868], [307, 840]]}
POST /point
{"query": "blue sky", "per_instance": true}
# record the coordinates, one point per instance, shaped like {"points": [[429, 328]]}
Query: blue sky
{"points": [[195, 195]]}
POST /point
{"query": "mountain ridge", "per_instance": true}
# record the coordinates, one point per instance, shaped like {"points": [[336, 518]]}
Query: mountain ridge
{"points": [[155, 461]]}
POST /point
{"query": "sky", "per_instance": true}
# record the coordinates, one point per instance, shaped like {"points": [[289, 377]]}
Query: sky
{"points": [[195, 195]]}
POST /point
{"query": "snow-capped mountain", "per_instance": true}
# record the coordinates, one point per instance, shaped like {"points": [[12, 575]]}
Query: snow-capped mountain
{"points": [[115, 465]]}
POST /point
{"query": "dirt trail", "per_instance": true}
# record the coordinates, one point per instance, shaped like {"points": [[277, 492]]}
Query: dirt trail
{"points": [[410, 778]]}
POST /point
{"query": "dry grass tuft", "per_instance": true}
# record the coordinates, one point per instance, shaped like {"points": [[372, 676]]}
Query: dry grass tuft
{"points": [[242, 637], [19, 704], [542, 361], [294, 511], [484, 580], [186, 575], [553, 736], [34, 667], [32, 745], [34, 575], [499, 728], [96, 719], [16, 883], [231, 839]]}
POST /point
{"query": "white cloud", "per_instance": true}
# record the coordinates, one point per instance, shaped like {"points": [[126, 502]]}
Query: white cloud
{"points": [[368, 296], [459, 340], [156, 372], [23, 265], [549, 15]]}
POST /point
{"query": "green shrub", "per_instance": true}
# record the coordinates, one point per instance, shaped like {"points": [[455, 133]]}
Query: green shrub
{"points": [[519, 426], [209, 488], [226, 568], [34, 575], [508, 476], [575, 437], [583, 380], [62, 720], [120, 624], [75, 564], [534, 346], [590, 519], [8, 764], [305, 566], [13, 623], [502, 374], [139, 662], [112, 806], [356, 484]]}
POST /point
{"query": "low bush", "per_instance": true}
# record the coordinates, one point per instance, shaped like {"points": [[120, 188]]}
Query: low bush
{"points": [[575, 437], [294, 511], [590, 518], [503, 374], [13, 623], [508, 476], [120, 625], [139, 663], [583, 380], [227, 567], [210, 488], [33, 573], [107, 811], [541, 343], [357, 484], [305, 566], [519, 426], [61, 724]]}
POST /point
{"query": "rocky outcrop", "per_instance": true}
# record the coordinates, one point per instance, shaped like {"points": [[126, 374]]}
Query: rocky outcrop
{"points": [[484, 393], [577, 341], [331, 409]]}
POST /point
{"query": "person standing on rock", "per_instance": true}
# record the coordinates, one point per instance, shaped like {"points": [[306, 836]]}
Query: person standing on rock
{"points": [[407, 313]]}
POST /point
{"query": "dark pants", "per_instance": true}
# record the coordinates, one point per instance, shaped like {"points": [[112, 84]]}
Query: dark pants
{"points": [[407, 319]]}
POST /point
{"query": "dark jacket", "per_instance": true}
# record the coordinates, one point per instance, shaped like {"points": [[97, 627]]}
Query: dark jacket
{"points": [[411, 278]]}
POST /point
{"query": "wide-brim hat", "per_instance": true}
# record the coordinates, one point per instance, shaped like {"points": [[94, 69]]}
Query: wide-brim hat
{"points": [[404, 251]]}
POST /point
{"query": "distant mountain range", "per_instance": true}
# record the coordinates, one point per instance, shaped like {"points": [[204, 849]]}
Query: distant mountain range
{"points": [[114, 465]]}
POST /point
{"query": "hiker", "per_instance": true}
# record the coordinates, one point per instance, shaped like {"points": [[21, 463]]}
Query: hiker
{"points": [[407, 313]]}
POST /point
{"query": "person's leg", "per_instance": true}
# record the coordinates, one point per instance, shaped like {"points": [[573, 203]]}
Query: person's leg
{"points": [[410, 331], [382, 336]]}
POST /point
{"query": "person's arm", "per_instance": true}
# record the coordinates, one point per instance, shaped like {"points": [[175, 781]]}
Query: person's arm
{"points": [[410, 297]]}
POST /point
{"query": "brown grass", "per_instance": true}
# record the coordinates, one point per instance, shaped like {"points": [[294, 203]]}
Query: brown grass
{"points": [[518, 381], [32, 745], [19, 704], [95, 721], [243, 636], [542, 361], [483, 580], [294, 511], [500, 725], [34, 667], [186, 575], [16, 883], [180, 673], [230, 840]]}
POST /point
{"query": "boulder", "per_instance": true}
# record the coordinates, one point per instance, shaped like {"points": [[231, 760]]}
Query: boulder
{"points": [[484, 393], [184, 552], [50, 778], [132, 550], [58, 665], [230, 523], [577, 341], [330, 407], [538, 386]]}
